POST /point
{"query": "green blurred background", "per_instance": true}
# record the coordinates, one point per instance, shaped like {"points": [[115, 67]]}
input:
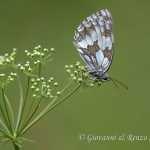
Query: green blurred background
{"points": [[99, 111]]}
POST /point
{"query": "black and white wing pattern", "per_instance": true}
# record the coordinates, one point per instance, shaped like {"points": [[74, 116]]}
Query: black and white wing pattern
{"points": [[94, 40]]}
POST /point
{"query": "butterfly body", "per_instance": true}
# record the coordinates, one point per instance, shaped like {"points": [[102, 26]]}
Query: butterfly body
{"points": [[94, 40], [98, 75]]}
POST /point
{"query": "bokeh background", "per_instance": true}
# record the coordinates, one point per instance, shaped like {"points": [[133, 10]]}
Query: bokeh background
{"points": [[99, 111]]}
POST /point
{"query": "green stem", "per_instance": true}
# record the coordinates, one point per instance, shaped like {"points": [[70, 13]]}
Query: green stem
{"points": [[11, 112], [21, 102], [43, 113], [16, 146], [25, 100], [2, 111], [9, 122], [5, 127], [62, 100], [39, 70], [5, 134], [27, 113], [38, 105], [50, 104], [47, 56]]}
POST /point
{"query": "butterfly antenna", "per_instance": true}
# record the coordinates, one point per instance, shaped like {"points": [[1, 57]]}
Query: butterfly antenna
{"points": [[119, 82], [114, 83]]}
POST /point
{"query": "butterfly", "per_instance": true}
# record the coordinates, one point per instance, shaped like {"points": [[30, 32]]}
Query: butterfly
{"points": [[94, 40]]}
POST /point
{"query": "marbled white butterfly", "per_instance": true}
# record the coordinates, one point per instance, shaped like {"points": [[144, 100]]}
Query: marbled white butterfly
{"points": [[94, 40]]}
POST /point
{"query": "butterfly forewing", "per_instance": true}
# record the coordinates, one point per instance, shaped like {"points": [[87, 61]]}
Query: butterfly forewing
{"points": [[94, 40]]}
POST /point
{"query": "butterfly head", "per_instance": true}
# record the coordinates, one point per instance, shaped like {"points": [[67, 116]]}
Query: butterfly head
{"points": [[103, 77]]}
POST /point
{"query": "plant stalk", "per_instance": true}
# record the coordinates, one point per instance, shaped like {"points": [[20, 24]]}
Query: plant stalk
{"points": [[43, 113], [23, 107], [21, 102], [16, 146], [7, 113]]}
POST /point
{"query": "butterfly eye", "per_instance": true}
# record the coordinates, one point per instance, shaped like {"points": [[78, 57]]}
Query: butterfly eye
{"points": [[105, 78]]}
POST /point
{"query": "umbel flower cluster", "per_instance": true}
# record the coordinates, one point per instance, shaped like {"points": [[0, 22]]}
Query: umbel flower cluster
{"points": [[79, 74], [30, 110], [4, 81], [8, 60], [39, 56], [43, 89]]}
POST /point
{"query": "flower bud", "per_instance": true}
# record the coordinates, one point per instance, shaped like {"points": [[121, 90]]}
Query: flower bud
{"points": [[68, 71], [74, 78], [26, 51], [71, 66], [42, 79], [91, 85], [34, 95], [19, 66], [32, 80], [38, 80], [58, 93], [45, 50], [51, 78], [52, 50], [66, 66], [80, 80], [55, 84]]}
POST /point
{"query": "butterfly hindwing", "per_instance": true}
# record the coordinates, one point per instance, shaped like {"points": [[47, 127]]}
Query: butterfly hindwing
{"points": [[94, 39]]}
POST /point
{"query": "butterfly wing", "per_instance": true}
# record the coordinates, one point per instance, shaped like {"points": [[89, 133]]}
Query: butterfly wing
{"points": [[94, 40]]}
